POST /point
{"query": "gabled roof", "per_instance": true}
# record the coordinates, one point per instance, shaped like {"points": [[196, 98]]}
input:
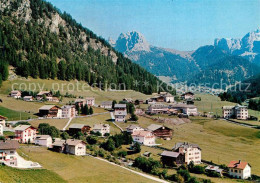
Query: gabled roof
{"points": [[74, 142], [43, 92], [107, 103], [120, 105], [154, 127], [227, 107], [43, 137], [67, 106], [187, 93], [131, 127], [28, 97], [15, 91], [142, 133], [214, 168], [238, 164], [47, 107], [9, 144], [77, 126], [59, 143], [100, 126], [185, 145], [170, 154], [23, 127], [121, 113]]}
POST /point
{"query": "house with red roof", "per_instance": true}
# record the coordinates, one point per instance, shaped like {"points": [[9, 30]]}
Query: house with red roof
{"points": [[239, 169]]}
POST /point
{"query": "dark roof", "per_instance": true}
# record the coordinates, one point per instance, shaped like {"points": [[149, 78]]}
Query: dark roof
{"points": [[9, 144], [170, 154], [185, 145]]}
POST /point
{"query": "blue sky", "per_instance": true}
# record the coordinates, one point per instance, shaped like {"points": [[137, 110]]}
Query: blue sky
{"points": [[178, 24]]}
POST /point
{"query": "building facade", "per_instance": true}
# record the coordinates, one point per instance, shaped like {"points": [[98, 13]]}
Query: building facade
{"points": [[8, 152], [68, 111], [144, 137], [43, 140], [239, 169], [101, 128], [237, 112], [25, 133], [191, 152]]}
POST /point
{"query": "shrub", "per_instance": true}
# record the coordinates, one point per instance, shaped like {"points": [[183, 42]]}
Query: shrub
{"points": [[109, 145], [122, 153], [146, 165], [91, 140], [184, 173]]}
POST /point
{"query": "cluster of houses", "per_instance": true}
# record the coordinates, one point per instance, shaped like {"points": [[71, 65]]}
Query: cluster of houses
{"points": [[237, 112], [47, 95], [147, 136], [86, 129], [162, 97]]}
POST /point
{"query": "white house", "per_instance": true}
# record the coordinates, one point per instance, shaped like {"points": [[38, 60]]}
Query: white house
{"points": [[144, 137], [120, 112], [157, 108], [43, 140], [75, 147], [102, 128], [68, 111], [8, 152], [16, 94], [188, 96], [90, 101], [2, 124], [25, 133], [238, 112], [28, 98], [134, 128], [184, 108], [192, 152], [239, 169], [168, 97], [106, 105]]}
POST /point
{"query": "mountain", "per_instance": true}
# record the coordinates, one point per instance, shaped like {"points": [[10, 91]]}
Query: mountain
{"points": [[41, 42], [247, 47], [208, 64]]}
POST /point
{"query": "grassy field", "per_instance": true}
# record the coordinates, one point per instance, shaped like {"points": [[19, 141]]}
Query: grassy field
{"points": [[10, 175], [58, 123], [81, 169], [15, 115]]}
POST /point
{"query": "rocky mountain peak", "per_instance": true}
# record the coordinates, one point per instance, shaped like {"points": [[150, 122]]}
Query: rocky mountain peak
{"points": [[131, 42]]}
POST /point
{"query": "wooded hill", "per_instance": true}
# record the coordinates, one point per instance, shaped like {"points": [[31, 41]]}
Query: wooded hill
{"points": [[41, 42]]}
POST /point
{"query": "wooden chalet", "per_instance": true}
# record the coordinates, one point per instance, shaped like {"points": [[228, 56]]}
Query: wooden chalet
{"points": [[160, 131]]}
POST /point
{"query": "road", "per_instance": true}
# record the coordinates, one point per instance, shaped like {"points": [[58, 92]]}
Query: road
{"points": [[237, 123]]}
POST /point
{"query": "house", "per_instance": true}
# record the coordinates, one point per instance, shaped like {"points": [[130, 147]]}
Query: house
{"points": [[75, 128], [16, 94], [160, 99], [90, 101], [80, 102], [75, 147], [157, 109], [151, 101], [52, 99], [8, 152], [102, 128], [25, 133], [68, 111], [144, 137], [171, 158], [139, 101], [212, 168], [168, 98], [239, 169], [190, 110], [160, 131], [107, 105], [58, 145], [120, 112], [43, 140], [237, 112], [28, 98], [187, 95], [50, 111], [2, 124], [191, 152], [139, 111], [134, 128], [41, 94]]}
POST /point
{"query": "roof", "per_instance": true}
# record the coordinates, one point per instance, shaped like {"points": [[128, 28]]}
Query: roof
{"points": [[214, 168], [27, 97], [79, 100], [59, 142], [2, 117], [23, 127], [67, 106], [158, 106], [107, 103], [238, 164], [240, 106], [142, 133], [170, 154], [182, 105], [189, 93], [120, 106], [43, 92], [121, 113], [9, 144], [100, 126], [78, 126], [131, 127], [15, 91], [153, 127], [46, 107], [74, 142], [43, 137], [227, 107], [185, 145]]}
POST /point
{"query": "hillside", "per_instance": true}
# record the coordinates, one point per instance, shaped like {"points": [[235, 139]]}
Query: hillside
{"points": [[41, 42], [208, 64]]}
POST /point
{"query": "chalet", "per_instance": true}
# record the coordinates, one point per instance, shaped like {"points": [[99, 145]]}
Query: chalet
{"points": [[50, 111], [237, 112], [41, 94], [187, 95], [120, 112], [168, 98], [134, 128], [68, 111], [2, 124], [90, 101], [43, 140], [75, 128], [144, 137], [75, 147], [239, 169], [25, 133], [157, 109], [171, 158], [160, 99], [216, 169], [58, 145], [190, 110], [28, 98], [191, 152], [160, 131], [102, 128], [8, 152], [16, 94], [107, 105]]}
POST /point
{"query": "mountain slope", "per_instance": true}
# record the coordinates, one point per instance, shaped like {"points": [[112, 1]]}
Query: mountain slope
{"points": [[40, 41]]}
